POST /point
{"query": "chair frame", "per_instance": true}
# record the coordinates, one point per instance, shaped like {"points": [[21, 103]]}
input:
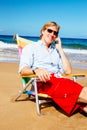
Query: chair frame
{"points": [[34, 80]]}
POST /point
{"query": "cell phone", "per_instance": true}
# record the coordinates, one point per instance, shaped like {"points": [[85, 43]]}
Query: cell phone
{"points": [[56, 41]]}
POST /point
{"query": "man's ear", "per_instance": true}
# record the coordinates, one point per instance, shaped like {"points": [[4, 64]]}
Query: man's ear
{"points": [[42, 32]]}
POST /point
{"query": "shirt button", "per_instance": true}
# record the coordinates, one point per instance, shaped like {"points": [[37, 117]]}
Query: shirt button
{"points": [[52, 64]]}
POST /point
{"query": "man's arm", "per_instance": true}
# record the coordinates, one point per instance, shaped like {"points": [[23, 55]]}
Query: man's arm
{"points": [[66, 63]]}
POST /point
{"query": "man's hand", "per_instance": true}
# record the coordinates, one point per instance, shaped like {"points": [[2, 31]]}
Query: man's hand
{"points": [[59, 44], [42, 74]]}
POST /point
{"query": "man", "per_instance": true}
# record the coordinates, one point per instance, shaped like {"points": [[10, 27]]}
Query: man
{"points": [[47, 60]]}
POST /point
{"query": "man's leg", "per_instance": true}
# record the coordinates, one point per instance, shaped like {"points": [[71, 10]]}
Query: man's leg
{"points": [[83, 98]]}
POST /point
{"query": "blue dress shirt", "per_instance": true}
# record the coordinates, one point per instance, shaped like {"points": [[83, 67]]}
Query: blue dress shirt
{"points": [[35, 55]]}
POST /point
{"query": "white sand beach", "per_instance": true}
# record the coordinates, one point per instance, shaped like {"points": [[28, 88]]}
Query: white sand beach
{"points": [[22, 115]]}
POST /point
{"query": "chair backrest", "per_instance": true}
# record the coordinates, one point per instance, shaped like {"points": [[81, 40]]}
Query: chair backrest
{"points": [[22, 42]]}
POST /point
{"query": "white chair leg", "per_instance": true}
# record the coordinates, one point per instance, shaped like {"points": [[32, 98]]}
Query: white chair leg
{"points": [[37, 99], [74, 78], [19, 94]]}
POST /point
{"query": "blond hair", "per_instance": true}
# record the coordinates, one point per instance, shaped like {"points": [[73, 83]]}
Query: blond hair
{"points": [[48, 25]]}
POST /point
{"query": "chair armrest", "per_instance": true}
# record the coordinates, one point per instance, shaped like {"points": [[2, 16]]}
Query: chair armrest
{"points": [[65, 75], [75, 75], [30, 76]]}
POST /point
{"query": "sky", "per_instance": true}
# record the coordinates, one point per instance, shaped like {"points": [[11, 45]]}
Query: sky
{"points": [[26, 17]]}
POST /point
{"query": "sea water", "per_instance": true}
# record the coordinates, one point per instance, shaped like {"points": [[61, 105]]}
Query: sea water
{"points": [[75, 49]]}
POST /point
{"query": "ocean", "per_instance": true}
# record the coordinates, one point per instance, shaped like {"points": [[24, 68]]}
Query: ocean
{"points": [[75, 49]]}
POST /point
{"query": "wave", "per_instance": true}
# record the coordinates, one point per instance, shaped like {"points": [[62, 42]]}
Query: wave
{"points": [[9, 53], [67, 50], [75, 46], [7, 45], [74, 43], [76, 51], [71, 43]]}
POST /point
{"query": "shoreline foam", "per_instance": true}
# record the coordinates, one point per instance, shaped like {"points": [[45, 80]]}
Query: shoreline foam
{"points": [[9, 53]]}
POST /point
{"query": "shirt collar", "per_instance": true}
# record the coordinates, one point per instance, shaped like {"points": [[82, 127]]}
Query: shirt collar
{"points": [[52, 46]]}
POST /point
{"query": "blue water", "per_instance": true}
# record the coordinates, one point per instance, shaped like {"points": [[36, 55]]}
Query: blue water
{"points": [[72, 43]]}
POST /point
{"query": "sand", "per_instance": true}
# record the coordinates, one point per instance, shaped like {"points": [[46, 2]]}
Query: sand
{"points": [[21, 115]]}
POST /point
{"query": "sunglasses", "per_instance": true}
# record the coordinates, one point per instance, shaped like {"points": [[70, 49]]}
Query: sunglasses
{"points": [[52, 31]]}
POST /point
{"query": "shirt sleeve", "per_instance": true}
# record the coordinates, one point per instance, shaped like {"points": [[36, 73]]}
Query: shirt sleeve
{"points": [[60, 65], [26, 58], [61, 70]]}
